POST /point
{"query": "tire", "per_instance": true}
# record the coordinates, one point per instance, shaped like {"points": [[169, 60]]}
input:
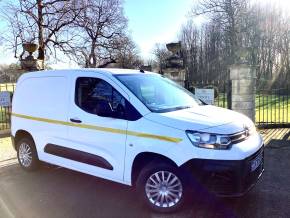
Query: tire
{"points": [[27, 154], [172, 179]]}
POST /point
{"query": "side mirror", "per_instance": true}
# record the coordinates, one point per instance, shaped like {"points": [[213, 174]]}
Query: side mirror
{"points": [[104, 109]]}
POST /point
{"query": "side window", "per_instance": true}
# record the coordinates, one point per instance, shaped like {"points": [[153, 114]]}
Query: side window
{"points": [[92, 92]]}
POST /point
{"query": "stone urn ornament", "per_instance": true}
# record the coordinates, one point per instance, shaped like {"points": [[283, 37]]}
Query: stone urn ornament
{"points": [[30, 63], [30, 48], [174, 47], [175, 59], [241, 55]]}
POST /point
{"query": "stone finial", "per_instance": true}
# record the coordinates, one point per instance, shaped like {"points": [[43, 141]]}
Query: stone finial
{"points": [[174, 47], [30, 48], [241, 55], [30, 63]]}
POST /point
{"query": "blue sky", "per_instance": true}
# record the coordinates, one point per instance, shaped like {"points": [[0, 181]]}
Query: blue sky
{"points": [[155, 21], [149, 22]]}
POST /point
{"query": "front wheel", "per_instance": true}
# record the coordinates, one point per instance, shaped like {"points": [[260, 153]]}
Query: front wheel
{"points": [[27, 155], [162, 187]]}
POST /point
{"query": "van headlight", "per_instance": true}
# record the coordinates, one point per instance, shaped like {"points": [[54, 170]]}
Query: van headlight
{"points": [[209, 140]]}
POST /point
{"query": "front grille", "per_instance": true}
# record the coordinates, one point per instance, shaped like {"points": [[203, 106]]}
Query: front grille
{"points": [[222, 182], [256, 154]]}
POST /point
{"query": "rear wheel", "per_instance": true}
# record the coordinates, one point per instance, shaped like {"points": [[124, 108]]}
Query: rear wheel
{"points": [[162, 187], [27, 155]]}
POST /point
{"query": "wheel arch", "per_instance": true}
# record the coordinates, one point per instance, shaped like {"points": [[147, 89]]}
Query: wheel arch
{"points": [[21, 134], [145, 158]]}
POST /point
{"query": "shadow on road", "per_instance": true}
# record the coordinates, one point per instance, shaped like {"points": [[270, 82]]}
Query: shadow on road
{"points": [[57, 192]]}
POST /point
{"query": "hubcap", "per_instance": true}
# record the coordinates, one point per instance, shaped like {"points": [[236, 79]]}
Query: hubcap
{"points": [[25, 155], [163, 189]]}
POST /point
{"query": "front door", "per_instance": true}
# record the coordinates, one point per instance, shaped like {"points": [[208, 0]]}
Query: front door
{"points": [[96, 138]]}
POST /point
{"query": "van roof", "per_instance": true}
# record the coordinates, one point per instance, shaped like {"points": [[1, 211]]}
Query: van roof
{"points": [[111, 71], [64, 72]]}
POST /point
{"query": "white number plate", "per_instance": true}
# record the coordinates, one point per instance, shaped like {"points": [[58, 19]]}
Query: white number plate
{"points": [[256, 162]]}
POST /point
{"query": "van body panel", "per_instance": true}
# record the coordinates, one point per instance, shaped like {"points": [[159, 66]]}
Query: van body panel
{"points": [[52, 94], [44, 105], [204, 117], [136, 145], [106, 144]]}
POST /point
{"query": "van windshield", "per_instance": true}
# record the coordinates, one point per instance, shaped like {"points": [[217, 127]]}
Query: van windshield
{"points": [[158, 93]]}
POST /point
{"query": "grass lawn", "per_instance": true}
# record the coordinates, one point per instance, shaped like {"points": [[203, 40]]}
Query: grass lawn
{"points": [[7, 87]]}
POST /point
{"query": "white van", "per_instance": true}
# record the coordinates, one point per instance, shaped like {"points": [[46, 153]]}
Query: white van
{"points": [[136, 128]]}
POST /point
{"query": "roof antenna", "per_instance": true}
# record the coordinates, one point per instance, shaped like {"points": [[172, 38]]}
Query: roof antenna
{"points": [[142, 71]]}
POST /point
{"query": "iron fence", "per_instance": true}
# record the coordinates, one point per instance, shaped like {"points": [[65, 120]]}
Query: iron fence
{"points": [[5, 112], [273, 107]]}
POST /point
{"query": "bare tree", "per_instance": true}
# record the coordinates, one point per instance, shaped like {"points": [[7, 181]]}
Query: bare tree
{"points": [[127, 55], [9, 73], [228, 13], [40, 21], [261, 28], [189, 37], [161, 53], [99, 30]]}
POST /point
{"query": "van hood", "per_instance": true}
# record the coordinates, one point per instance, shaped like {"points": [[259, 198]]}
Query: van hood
{"points": [[206, 118]]}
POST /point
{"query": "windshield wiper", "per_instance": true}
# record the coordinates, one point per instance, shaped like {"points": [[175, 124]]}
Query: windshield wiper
{"points": [[202, 102], [181, 107], [171, 109]]}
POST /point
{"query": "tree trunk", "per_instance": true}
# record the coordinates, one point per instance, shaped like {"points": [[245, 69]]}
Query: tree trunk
{"points": [[40, 30]]}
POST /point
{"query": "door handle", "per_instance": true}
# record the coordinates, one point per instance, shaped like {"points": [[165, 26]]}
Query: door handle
{"points": [[75, 120]]}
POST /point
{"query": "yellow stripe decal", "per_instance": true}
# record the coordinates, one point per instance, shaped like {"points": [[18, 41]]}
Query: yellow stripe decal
{"points": [[99, 128]]}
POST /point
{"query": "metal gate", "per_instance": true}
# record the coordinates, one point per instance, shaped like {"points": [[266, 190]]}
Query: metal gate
{"points": [[273, 107], [272, 104], [5, 112]]}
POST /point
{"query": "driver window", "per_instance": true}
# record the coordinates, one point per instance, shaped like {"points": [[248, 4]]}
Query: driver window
{"points": [[92, 91]]}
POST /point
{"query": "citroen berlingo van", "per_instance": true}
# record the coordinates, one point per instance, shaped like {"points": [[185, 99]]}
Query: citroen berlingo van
{"points": [[137, 128]]}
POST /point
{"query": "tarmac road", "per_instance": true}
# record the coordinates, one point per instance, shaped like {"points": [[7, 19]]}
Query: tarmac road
{"points": [[57, 192]]}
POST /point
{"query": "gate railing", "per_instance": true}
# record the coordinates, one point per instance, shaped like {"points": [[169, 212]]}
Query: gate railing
{"points": [[5, 112], [273, 107]]}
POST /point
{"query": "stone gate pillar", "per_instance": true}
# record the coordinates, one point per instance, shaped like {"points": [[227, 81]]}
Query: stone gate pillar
{"points": [[243, 78]]}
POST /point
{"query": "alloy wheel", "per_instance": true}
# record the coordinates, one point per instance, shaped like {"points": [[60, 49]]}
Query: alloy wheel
{"points": [[25, 154], [164, 189]]}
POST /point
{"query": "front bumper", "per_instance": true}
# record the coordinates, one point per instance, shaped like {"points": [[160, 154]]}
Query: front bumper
{"points": [[229, 178]]}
